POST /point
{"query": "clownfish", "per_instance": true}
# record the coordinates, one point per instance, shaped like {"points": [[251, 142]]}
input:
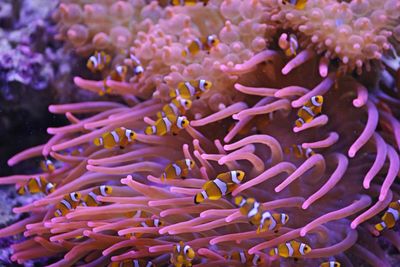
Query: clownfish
{"points": [[245, 258], [201, 44], [119, 137], [187, 2], [390, 217], [222, 185], [105, 90], [37, 185], [330, 264], [178, 169], [298, 4], [90, 199], [119, 73], [249, 207], [167, 124], [189, 89], [299, 151], [132, 263], [176, 107], [293, 46], [310, 110], [272, 222], [47, 166], [182, 255], [137, 66], [147, 223], [98, 61], [137, 214], [68, 203], [291, 249]]}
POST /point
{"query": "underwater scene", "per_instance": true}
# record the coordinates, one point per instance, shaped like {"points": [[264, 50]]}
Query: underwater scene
{"points": [[204, 133]]}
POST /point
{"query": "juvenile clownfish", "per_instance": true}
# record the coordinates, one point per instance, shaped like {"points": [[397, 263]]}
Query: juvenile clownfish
{"points": [[245, 258], [310, 110], [390, 217], [299, 151], [167, 124], [119, 137], [119, 73], [272, 221], [250, 208], [137, 214], [222, 185], [177, 107], [68, 203], [47, 166], [293, 46], [149, 223], [105, 90], [132, 263], [98, 61], [201, 44], [187, 2], [37, 185], [291, 249], [178, 169], [90, 199], [182, 255], [189, 89], [298, 4], [330, 264], [137, 66]]}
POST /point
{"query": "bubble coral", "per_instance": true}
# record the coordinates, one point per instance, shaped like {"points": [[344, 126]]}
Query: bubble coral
{"points": [[245, 121]]}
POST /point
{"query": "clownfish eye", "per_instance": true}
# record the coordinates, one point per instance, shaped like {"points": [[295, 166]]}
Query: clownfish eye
{"points": [[186, 103], [131, 134], [306, 248]]}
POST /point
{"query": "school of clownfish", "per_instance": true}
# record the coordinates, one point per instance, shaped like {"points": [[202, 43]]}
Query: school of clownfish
{"points": [[171, 119]]}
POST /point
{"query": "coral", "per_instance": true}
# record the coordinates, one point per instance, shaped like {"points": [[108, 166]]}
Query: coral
{"points": [[245, 121]]}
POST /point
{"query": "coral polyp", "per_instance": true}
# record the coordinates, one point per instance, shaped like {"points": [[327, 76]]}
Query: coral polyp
{"points": [[277, 146]]}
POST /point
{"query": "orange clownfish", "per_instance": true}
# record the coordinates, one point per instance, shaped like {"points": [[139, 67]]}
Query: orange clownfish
{"points": [[90, 199], [119, 73], [330, 264], [292, 249], [272, 221], [105, 90], [98, 61], [249, 207], [245, 258], [178, 169], [390, 217], [119, 137], [201, 44], [37, 185], [189, 89], [47, 166], [182, 255], [147, 223], [299, 151], [293, 46], [136, 65], [187, 2], [132, 263], [310, 110], [298, 4], [167, 124], [68, 203], [222, 185], [176, 107]]}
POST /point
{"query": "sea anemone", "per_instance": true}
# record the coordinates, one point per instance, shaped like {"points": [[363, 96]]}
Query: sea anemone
{"points": [[245, 122]]}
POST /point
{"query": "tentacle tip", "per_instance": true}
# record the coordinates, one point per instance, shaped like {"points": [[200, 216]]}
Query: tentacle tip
{"points": [[303, 233], [305, 206], [353, 225], [286, 70], [351, 153]]}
